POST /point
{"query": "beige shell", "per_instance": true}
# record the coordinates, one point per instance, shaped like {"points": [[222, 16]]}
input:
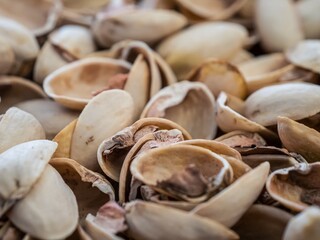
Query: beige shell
{"points": [[241, 139], [241, 57], [20, 167], [10, 232], [230, 117], [64, 45], [229, 205], [141, 215], [173, 101], [264, 70], [113, 151], [305, 225], [14, 90], [189, 48], [39, 16], [306, 55], [91, 189], [263, 222], [220, 76], [33, 216], [278, 24], [299, 138], [183, 172], [75, 84], [51, 115], [136, 24], [310, 18], [296, 187], [7, 57], [17, 126], [292, 100]]}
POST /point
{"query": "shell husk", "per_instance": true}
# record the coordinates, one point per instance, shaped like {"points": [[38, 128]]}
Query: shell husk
{"points": [[206, 40], [17, 126], [278, 24], [74, 84], [14, 90], [64, 140], [228, 209], [7, 57], [220, 76], [32, 216], [173, 101], [136, 24], [91, 189], [113, 151], [160, 219], [293, 100], [309, 16], [241, 57], [241, 139]]}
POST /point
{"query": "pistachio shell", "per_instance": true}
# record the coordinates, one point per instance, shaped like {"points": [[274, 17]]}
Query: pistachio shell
{"points": [[292, 100], [173, 101], [136, 24], [159, 221], [32, 215], [17, 126], [64, 140], [241, 57], [241, 139], [278, 24], [228, 209], [310, 18], [206, 40], [7, 57]]}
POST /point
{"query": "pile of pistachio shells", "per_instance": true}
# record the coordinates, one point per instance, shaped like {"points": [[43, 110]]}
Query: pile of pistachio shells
{"points": [[159, 119]]}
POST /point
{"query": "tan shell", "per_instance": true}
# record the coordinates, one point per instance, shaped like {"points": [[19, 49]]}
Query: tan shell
{"points": [[7, 57], [241, 56], [173, 101], [32, 215], [74, 84], [229, 205], [136, 24], [113, 151], [241, 139], [10, 232], [278, 24], [292, 100], [17, 126], [309, 16], [52, 116], [230, 117], [20, 167], [14, 90], [39, 16], [91, 189], [66, 44], [142, 214], [220, 76], [264, 70], [206, 40], [157, 168], [306, 55], [304, 225], [295, 187], [263, 222], [212, 9]]}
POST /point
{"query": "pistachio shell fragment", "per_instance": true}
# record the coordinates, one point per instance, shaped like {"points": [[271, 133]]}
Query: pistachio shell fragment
{"points": [[160, 219], [17, 126], [31, 214], [174, 101], [241, 139], [91, 189], [136, 24], [310, 18], [292, 100], [220, 76], [7, 57], [304, 226], [64, 140], [206, 40], [228, 209]]}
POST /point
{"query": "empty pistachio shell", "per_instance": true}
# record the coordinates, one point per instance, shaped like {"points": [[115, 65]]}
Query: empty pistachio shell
{"points": [[292, 100], [241, 139], [14, 90], [310, 18], [220, 76], [17, 126], [228, 209], [206, 40], [136, 24], [173, 101], [304, 225], [32, 215], [159, 221], [278, 24]]}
